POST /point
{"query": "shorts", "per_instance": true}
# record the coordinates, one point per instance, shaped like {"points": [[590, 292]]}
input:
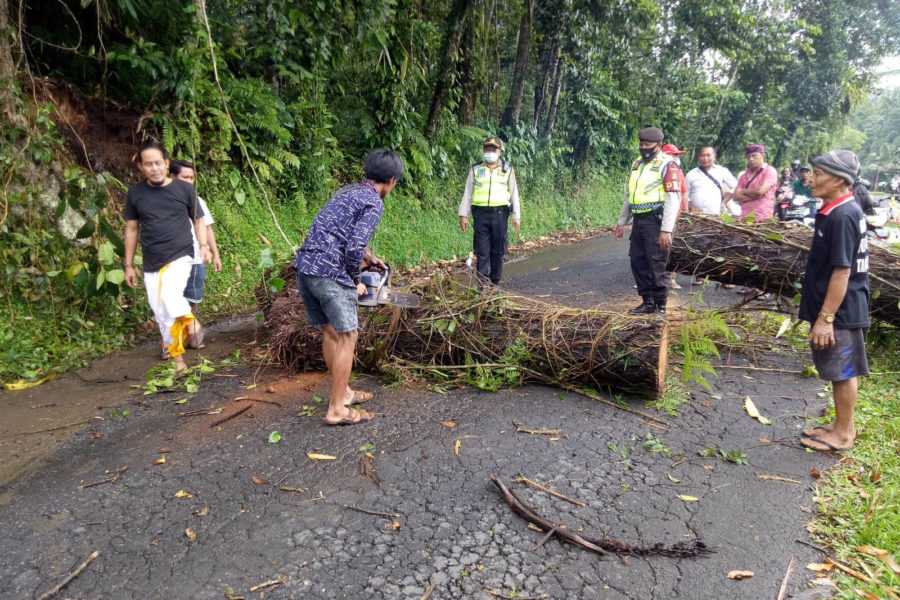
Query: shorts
{"points": [[193, 291], [328, 302], [846, 359]]}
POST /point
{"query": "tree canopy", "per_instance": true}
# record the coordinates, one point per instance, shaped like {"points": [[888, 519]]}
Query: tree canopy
{"points": [[311, 85]]}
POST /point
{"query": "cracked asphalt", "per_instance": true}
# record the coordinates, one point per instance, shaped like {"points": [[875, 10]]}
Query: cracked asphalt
{"points": [[266, 512]]}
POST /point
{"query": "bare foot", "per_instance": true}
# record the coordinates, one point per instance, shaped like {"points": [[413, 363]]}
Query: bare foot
{"points": [[830, 441], [180, 366], [356, 397], [818, 430]]}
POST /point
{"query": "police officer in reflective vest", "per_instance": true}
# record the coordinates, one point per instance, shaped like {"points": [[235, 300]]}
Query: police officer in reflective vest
{"points": [[652, 199], [490, 196]]}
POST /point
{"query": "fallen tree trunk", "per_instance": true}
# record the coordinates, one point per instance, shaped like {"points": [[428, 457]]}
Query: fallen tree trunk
{"points": [[488, 337], [771, 257]]}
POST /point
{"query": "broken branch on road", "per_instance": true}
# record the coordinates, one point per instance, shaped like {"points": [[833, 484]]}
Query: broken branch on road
{"points": [[227, 418], [374, 513], [537, 430], [70, 577], [551, 491], [693, 549], [113, 477], [249, 399]]}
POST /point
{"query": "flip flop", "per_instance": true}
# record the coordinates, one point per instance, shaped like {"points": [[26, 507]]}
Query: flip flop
{"points": [[359, 397], [356, 417], [828, 447]]}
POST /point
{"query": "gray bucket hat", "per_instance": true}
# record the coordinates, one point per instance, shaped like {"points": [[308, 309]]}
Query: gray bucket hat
{"points": [[841, 163]]}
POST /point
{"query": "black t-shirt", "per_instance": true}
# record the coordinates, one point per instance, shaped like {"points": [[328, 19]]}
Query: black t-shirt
{"points": [[164, 214], [839, 240]]}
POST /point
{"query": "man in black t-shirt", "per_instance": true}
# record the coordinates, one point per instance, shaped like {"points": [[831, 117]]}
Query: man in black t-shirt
{"points": [[835, 298], [160, 210]]}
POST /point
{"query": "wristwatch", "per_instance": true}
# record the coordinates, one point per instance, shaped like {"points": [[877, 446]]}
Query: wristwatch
{"points": [[827, 317]]}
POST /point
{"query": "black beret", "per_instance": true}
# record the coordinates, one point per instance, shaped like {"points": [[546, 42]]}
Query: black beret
{"points": [[650, 134]]}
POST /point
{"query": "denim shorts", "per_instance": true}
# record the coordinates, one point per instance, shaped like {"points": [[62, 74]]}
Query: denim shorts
{"points": [[846, 359], [193, 291], [328, 302]]}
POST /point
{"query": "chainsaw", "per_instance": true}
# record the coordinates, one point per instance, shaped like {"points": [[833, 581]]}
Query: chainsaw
{"points": [[378, 290]]}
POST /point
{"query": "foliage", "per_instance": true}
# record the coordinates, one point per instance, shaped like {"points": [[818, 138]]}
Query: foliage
{"points": [[859, 500], [698, 337]]}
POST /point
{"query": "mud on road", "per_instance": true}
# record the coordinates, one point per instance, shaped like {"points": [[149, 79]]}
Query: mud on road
{"points": [[260, 512]]}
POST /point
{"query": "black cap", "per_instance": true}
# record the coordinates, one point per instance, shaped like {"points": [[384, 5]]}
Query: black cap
{"points": [[651, 134]]}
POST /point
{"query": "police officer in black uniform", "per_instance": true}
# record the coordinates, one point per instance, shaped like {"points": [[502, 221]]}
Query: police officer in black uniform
{"points": [[491, 195]]}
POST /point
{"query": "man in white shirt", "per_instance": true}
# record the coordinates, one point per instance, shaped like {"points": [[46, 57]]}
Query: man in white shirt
{"points": [[709, 184], [184, 171]]}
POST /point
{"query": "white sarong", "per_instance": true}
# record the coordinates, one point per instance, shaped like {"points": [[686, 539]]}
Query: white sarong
{"points": [[165, 293]]}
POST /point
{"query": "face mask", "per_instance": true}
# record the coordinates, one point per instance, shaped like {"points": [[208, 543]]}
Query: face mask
{"points": [[491, 157], [648, 153]]}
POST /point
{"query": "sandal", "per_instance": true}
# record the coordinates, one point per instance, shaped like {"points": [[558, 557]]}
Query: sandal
{"points": [[359, 397], [828, 447], [355, 417]]}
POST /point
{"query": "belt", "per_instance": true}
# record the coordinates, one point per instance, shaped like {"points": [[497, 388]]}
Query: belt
{"points": [[491, 208]]}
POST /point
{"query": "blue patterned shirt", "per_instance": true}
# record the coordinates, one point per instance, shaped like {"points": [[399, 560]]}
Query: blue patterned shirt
{"points": [[340, 233]]}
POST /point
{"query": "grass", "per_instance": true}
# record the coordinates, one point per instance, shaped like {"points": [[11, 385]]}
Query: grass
{"points": [[859, 499]]}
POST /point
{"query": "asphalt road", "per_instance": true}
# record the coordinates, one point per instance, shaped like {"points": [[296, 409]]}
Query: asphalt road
{"points": [[260, 512]]}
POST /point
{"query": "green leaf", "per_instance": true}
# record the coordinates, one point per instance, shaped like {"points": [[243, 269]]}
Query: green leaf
{"points": [[74, 269], [112, 235], [116, 276], [240, 197], [101, 278], [276, 284], [265, 259], [106, 253], [274, 437], [86, 231]]}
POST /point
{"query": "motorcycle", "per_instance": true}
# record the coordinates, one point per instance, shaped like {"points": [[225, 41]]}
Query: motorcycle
{"points": [[798, 208], [882, 215]]}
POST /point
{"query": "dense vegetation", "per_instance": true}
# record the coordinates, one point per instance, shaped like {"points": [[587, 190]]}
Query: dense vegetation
{"points": [[277, 101]]}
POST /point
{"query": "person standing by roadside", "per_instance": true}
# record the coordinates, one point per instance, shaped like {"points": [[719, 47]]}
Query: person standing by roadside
{"points": [[675, 152], [835, 295], [490, 195], [802, 186], [652, 199], [328, 267], [184, 170], [159, 211], [709, 184], [756, 186]]}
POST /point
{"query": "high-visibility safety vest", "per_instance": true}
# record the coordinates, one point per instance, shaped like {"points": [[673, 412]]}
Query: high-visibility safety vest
{"points": [[646, 190], [491, 186]]}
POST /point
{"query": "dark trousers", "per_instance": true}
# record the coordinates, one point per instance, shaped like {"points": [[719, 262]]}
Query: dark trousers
{"points": [[490, 240], [648, 260]]}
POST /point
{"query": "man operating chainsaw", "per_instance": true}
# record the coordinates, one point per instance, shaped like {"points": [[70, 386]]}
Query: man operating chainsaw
{"points": [[328, 269]]}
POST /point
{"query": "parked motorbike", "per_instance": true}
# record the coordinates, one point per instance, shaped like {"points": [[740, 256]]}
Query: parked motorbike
{"points": [[798, 208]]}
